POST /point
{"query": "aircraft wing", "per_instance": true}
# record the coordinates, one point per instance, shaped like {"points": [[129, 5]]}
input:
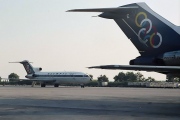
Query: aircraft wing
{"points": [[104, 9], [40, 80], [139, 68]]}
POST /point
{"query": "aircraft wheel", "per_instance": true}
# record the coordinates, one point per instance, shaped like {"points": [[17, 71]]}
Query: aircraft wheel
{"points": [[82, 86], [56, 85], [43, 85]]}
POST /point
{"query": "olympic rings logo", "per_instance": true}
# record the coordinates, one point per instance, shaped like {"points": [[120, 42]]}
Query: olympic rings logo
{"points": [[144, 33], [28, 68]]}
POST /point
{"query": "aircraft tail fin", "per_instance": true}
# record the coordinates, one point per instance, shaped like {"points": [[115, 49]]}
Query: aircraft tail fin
{"points": [[27, 66], [150, 33]]}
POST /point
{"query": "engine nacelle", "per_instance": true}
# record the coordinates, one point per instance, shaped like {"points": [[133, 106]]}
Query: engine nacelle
{"points": [[172, 58], [143, 61], [166, 59], [146, 61], [37, 69]]}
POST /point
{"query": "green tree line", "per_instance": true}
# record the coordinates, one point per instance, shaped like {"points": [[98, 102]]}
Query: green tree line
{"points": [[126, 77], [132, 77]]}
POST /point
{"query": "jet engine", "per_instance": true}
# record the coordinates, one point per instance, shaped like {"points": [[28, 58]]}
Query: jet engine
{"points": [[172, 58], [166, 59], [143, 61], [38, 69]]}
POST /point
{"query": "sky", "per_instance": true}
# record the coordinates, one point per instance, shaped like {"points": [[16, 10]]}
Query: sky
{"points": [[42, 32]]}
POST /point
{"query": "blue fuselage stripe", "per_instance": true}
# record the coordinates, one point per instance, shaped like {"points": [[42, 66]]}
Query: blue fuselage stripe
{"points": [[60, 75]]}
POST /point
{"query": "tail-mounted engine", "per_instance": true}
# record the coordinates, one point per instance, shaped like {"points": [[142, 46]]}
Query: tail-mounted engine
{"points": [[38, 69], [147, 61], [142, 61], [172, 58], [166, 59]]}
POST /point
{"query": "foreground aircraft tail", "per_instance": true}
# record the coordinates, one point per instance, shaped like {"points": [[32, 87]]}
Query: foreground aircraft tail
{"points": [[28, 67], [151, 34]]}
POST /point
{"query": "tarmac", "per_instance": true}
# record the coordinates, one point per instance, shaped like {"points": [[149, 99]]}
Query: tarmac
{"points": [[90, 103]]}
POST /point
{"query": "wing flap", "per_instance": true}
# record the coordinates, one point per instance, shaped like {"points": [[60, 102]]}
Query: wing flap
{"points": [[139, 68], [103, 9]]}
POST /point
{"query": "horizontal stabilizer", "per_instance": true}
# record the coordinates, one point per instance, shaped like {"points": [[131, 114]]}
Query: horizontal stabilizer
{"points": [[139, 68], [28, 67], [102, 9], [21, 61]]}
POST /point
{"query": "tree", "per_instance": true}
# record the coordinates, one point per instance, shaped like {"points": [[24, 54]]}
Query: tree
{"points": [[131, 77], [140, 77], [176, 79], [103, 78], [120, 77], [91, 76], [127, 77], [171, 78], [150, 79], [13, 77]]}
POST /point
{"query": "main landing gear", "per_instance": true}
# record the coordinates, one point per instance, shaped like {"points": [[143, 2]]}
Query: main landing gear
{"points": [[56, 85], [82, 86], [43, 85]]}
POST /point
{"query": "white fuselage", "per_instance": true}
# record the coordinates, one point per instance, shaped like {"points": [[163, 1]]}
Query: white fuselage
{"points": [[61, 77]]}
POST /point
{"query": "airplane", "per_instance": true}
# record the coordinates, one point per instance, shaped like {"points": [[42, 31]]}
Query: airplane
{"points": [[35, 75], [156, 39]]}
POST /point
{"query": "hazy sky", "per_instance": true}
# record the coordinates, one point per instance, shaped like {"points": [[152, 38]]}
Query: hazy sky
{"points": [[42, 32]]}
